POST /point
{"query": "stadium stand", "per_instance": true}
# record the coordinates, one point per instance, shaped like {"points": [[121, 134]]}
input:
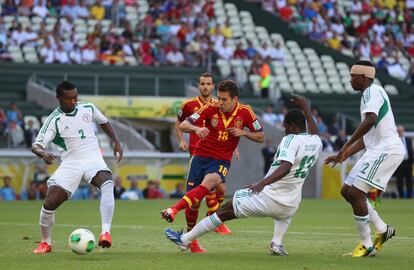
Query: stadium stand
{"points": [[376, 30]]}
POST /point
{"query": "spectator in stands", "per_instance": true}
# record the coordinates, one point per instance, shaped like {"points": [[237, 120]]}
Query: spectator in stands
{"points": [[31, 37], [9, 8], [7, 192], [175, 57], [75, 55], [265, 78], [89, 53], [396, 70], [14, 114], [30, 133], [250, 50], [383, 63], [133, 193], [178, 192], [269, 116], [15, 135], [61, 56], [82, 10], [334, 127], [239, 53], [30, 193], [84, 192], [98, 11], [3, 121], [224, 51], [18, 37], [4, 54], [52, 9], [326, 142], [69, 10], [24, 8], [268, 153], [41, 173], [118, 188], [277, 52], [158, 192], [264, 51], [47, 53], [340, 140], [40, 9], [321, 125], [404, 172]]}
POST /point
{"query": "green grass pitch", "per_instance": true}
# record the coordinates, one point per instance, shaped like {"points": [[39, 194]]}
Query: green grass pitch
{"points": [[319, 234]]}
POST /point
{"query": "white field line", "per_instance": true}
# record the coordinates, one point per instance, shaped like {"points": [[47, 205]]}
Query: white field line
{"points": [[138, 227]]}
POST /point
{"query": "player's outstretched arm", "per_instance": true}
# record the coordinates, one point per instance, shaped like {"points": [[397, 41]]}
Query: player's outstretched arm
{"points": [[310, 121], [180, 136], [278, 174], [108, 129], [39, 151]]}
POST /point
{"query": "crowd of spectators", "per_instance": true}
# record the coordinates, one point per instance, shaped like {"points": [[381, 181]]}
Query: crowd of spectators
{"points": [[370, 29], [13, 129], [332, 135], [178, 33]]}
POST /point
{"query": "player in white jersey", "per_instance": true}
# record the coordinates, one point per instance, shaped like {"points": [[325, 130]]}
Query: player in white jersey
{"points": [[384, 152], [278, 195], [70, 127]]}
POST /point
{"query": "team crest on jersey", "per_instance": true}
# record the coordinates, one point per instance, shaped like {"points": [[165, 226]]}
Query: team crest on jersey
{"points": [[87, 117], [196, 108], [214, 120], [238, 123]]}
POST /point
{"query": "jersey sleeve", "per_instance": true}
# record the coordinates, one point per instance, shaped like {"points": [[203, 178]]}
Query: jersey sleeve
{"points": [[372, 101], [183, 112], [198, 117], [98, 116], [288, 148], [47, 133], [253, 123]]}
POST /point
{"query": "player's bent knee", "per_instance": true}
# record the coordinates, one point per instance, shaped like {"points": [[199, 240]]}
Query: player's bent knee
{"points": [[211, 181], [101, 178]]}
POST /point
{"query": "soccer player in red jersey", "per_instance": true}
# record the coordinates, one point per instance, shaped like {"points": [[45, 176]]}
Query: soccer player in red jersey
{"points": [[215, 197], [224, 124]]}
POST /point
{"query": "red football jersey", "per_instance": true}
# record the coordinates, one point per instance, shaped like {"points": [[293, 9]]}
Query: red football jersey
{"points": [[188, 108], [220, 144]]}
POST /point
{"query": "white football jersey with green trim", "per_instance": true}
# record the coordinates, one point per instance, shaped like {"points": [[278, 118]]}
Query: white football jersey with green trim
{"points": [[73, 133], [383, 136], [302, 151]]}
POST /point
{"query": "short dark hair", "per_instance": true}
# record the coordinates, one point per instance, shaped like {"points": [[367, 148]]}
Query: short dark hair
{"points": [[229, 86], [207, 75], [296, 116], [64, 86], [365, 63]]}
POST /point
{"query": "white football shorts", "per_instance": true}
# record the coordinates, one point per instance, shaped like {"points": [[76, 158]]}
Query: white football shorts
{"points": [[70, 173], [246, 204], [373, 170]]}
